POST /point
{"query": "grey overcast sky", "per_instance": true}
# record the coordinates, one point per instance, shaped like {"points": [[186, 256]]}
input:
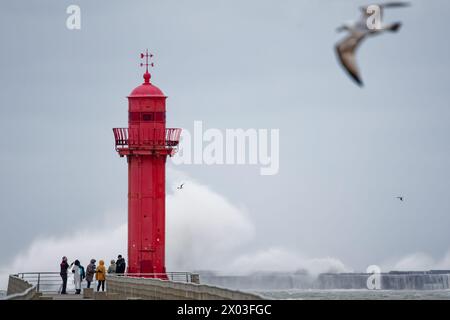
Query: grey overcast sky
{"points": [[345, 152]]}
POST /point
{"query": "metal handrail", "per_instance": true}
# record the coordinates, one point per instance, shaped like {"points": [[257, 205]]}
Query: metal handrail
{"points": [[44, 281], [126, 137], [172, 276]]}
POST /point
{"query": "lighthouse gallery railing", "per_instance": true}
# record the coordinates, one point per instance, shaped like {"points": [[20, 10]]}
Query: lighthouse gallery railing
{"points": [[124, 137]]}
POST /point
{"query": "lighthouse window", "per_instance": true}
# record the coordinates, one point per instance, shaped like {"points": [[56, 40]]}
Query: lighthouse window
{"points": [[147, 117]]}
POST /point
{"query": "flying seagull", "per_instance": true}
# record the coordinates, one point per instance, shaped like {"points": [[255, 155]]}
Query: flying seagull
{"points": [[180, 186], [358, 31], [400, 198]]}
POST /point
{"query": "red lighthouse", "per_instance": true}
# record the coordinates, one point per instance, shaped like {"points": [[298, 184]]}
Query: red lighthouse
{"points": [[146, 143]]}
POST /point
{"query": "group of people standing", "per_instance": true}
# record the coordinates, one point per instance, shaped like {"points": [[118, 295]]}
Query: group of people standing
{"points": [[79, 273]]}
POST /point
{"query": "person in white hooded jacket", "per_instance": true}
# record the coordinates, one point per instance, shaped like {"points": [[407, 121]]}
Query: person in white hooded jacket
{"points": [[77, 276]]}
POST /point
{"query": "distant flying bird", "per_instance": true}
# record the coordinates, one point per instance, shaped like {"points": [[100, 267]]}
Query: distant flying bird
{"points": [[180, 186], [346, 48], [400, 198]]}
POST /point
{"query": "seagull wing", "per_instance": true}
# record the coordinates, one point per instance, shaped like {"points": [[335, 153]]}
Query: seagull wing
{"points": [[346, 52], [395, 4]]}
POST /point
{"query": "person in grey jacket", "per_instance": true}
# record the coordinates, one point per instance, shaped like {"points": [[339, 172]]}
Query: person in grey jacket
{"points": [[112, 267], [90, 272]]}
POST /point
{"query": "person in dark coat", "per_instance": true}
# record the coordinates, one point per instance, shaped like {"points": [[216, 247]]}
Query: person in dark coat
{"points": [[120, 265], [64, 266]]}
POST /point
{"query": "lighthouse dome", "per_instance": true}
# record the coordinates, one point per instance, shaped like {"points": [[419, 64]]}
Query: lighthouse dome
{"points": [[146, 89]]}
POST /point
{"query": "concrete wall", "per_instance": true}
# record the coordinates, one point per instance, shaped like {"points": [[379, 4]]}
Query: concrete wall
{"points": [[19, 289], [156, 289], [17, 285]]}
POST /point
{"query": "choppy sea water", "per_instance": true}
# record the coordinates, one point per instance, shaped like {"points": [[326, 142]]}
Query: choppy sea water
{"points": [[357, 294]]}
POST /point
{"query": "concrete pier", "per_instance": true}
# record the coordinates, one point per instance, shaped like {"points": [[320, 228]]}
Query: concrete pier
{"points": [[131, 288], [156, 289]]}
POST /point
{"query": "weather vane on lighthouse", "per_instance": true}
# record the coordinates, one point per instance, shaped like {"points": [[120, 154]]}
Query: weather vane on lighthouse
{"points": [[147, 55]]}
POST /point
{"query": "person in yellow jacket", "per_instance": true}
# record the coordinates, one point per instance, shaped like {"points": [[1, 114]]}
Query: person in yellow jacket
{"points": [[100, 275]]}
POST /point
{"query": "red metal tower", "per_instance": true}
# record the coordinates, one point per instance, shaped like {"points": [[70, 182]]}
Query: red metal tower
{"points": [[146, 143]]}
